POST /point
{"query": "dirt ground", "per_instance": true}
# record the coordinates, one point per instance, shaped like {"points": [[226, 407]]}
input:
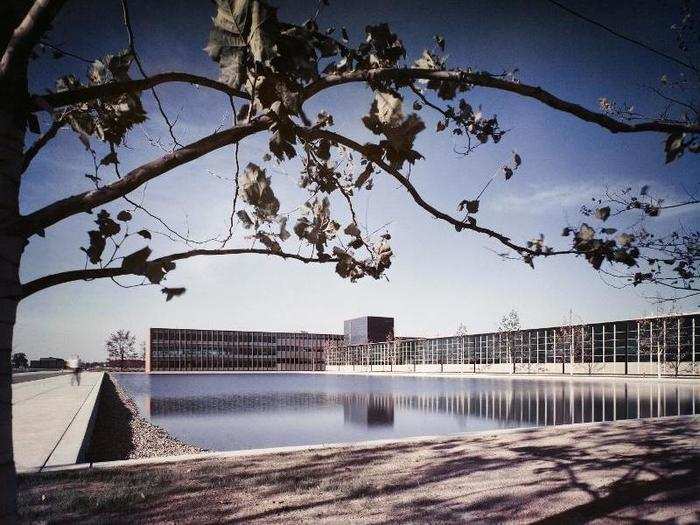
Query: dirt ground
{"points": [[630, 471]]}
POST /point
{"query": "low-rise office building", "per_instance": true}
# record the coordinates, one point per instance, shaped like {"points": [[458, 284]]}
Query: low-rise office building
{"points": [[663, 345], [175, 350]]}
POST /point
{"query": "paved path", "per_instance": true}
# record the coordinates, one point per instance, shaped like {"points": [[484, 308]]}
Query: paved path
{"points": [[50, 418]]}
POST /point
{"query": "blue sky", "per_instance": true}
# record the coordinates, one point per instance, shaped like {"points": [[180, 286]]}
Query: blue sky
{"points": [[440, 277]]}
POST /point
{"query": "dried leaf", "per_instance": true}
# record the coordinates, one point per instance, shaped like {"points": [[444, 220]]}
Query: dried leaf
{"points": [[97, 246], [256, 191], [245, 219], [136, 262], [440, 41], [365, 175], [625, 239], [603, 213], [107, 226], [110, 158], [470, 206], [674, 147], [172, 292], [386, 117]]}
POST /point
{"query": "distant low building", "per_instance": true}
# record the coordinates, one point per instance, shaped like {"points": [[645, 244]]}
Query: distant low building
{"points": [[90, 365], [48, 363], [131, 364]]}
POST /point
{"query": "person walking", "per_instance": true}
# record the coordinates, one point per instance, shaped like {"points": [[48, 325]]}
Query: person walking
{"points": [[75, 366]]}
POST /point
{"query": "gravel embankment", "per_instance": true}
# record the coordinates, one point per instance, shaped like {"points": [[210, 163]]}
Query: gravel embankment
{"points": [[121, 433]]}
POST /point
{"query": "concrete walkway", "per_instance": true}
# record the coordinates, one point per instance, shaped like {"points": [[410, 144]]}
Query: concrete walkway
{"points": [[52, 420]]}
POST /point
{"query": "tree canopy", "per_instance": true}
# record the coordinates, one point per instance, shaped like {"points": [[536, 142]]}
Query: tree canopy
{"points": [[121, 346], [269, 69], [19, 360]]}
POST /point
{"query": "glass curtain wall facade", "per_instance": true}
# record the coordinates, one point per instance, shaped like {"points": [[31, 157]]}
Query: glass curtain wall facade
{"points": [[182, 350], [671, 341]]}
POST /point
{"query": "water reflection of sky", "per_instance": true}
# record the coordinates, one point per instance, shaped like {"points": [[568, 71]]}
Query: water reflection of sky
{"points": [[241, 411]]}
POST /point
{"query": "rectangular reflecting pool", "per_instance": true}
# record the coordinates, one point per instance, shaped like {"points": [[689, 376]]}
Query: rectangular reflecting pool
{"points": [[243, 411]]}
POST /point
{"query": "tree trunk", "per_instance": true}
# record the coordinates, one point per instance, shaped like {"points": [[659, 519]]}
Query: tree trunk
{"points": [[7, 318], [12, 128]]}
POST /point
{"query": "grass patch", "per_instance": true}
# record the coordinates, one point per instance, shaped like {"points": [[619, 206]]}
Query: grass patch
{"points": [[76, 492], [358, 489]]}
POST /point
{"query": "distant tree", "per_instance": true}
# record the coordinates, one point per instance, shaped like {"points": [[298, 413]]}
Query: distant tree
{"points": [[650, 342], [658, 338], [565, 335], [574, 343], [672, 342], [19, 360], [121, 345], [670, 337], [583, 348], [508, 327], [142, 350], [391, 347], [461, 330]]}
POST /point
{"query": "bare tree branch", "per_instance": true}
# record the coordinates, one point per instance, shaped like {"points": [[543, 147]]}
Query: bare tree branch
{"points": [[173, 233], [86, 94], [51, 214], [488, 80], [403, 180], [623, 37], [37, 221], [139, 65], [27, 34], [666, 282], [39, 143], [89, 274], [63, 52], [679, 204], [672, 100], [236, 181]]}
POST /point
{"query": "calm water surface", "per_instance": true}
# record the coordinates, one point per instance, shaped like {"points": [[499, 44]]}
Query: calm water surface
{"points": [[241, 411]]}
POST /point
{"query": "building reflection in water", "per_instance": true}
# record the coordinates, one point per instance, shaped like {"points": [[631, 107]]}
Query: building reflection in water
{"points": [[503, 403], [370, 410]]}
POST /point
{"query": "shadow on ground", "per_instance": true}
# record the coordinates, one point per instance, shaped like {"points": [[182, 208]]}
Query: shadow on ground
{"points": [[644, 470]]}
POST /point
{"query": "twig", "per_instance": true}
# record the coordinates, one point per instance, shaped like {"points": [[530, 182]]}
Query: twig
{"points": [[132, 50], [620, 35]]}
